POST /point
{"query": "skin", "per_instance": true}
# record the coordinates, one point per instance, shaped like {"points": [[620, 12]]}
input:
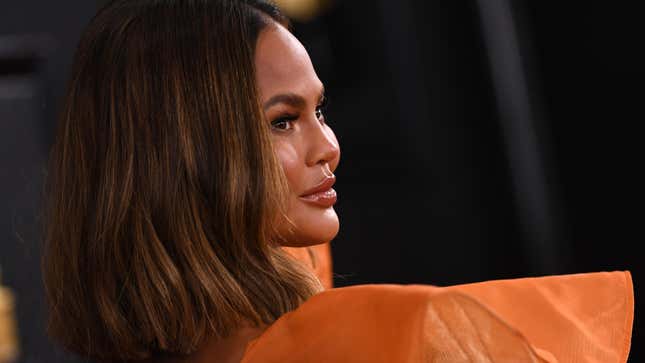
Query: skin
{"points": [[305, 145]]}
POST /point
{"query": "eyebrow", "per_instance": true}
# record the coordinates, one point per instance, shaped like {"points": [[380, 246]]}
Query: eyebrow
{"points": [[290, 99]]}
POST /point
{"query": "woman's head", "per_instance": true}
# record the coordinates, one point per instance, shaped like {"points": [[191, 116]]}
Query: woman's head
{"points": [[166, 189], [293, 99]]}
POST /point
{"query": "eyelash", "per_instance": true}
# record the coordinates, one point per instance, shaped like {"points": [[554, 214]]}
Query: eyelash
{"points": [[322, 106], [290, 118]]}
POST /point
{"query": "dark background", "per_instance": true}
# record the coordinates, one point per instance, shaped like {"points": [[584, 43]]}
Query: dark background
{"points": [[480, 139]]}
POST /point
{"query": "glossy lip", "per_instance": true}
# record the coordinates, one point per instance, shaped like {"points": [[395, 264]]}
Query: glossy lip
{"points": [[325, 185], [322, 195]]}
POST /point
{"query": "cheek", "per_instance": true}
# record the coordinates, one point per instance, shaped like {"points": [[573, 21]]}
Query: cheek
{"points": [[291, 164]]}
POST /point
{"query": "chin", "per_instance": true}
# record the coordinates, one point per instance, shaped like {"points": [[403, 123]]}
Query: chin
{"points": [[313, 231]]}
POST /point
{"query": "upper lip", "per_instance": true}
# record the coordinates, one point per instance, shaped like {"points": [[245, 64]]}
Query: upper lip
{"points": [[324, 185]]}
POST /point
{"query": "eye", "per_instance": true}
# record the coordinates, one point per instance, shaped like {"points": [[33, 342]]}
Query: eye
{"points": [[284, 123], [322, 106]]}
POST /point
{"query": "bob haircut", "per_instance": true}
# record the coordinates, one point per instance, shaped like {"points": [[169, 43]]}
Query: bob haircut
{"points": [[163, 190]]}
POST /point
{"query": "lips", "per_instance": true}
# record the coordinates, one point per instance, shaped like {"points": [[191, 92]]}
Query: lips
{"points": [[322, 194], [324, 185]]}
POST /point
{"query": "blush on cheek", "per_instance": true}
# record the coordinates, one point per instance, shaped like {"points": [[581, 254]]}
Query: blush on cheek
{"points": [[291, 164]]}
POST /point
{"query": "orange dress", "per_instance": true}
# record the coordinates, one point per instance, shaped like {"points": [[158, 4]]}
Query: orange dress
{"points": [[564, 318]]}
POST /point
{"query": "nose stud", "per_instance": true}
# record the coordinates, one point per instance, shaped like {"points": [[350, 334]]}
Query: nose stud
{"points": [[327, 171]]}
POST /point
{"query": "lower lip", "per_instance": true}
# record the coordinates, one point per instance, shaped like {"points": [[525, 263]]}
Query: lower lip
{"points": [[323, 199]]}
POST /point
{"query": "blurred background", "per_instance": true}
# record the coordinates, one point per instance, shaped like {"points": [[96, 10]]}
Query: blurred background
{"points": [[481, 139]]}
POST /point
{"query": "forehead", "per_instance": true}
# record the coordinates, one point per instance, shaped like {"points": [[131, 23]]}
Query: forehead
{"points": [[283, 65]]}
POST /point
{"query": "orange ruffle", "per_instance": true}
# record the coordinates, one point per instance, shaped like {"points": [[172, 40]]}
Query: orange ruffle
{"points": [[566, 318]]}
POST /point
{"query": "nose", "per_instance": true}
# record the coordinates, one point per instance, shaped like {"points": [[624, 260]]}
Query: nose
{"points": [[323, 145]]}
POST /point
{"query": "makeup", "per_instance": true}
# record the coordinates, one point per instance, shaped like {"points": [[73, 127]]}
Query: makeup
{"points": [[322, 194]]}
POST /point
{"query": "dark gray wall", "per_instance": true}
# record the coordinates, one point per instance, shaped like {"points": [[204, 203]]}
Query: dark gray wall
{"points": [[37, 40]]}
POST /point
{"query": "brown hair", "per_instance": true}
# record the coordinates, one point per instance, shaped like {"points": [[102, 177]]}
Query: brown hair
{"points": [[163, 188]]}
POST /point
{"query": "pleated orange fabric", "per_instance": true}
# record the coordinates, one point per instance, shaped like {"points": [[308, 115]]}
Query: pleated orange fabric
{"points": [[566, 318], [578, 318]]}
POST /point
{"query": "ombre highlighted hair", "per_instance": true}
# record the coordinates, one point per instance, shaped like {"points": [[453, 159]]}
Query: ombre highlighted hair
{"points": [[163, 190]]}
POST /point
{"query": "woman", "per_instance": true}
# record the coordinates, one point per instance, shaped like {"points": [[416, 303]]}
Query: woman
{"points": [[189, 185]]}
